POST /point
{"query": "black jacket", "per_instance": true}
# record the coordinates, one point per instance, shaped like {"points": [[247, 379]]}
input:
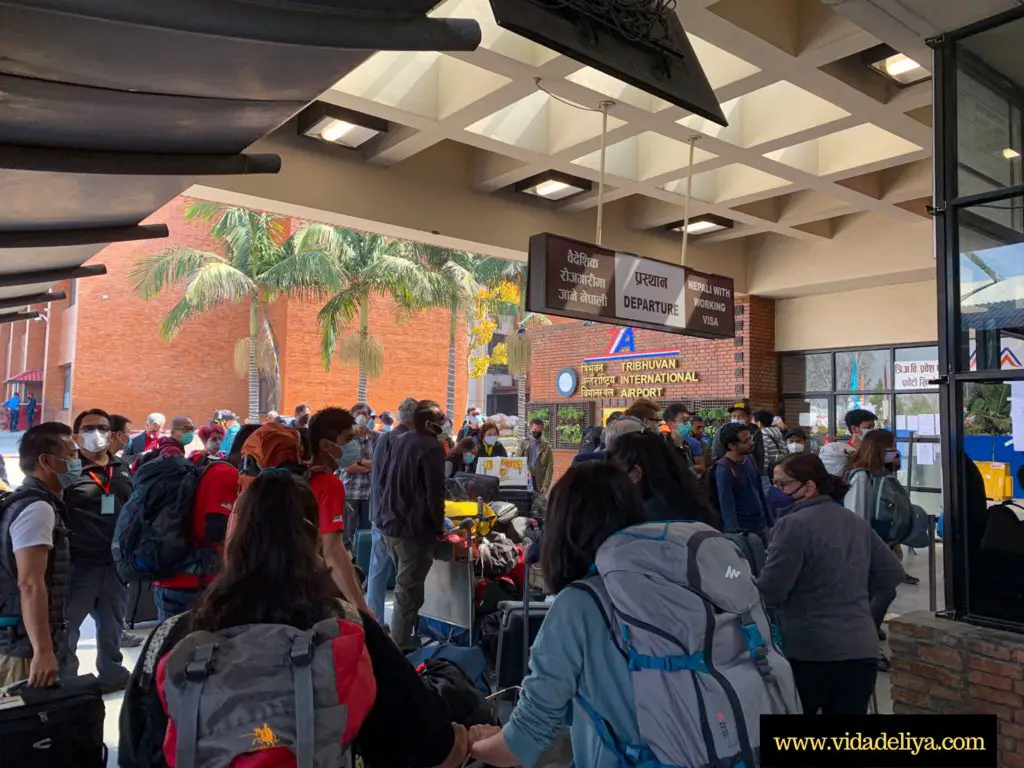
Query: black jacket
{"points": [[92, 532], [425, 738], [412, 504]]}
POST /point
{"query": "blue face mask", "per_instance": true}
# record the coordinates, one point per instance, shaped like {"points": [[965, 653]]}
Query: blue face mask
{"points": [[349, 454], [371, 424], [684, 430], [71, 474], [385, 428], [468, 458], [187, 438]]}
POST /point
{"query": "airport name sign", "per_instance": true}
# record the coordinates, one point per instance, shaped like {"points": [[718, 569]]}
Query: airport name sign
{"points": [[569, 278]]}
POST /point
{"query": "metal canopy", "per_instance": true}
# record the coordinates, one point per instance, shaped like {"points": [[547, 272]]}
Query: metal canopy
{"points": [[109, 108]]}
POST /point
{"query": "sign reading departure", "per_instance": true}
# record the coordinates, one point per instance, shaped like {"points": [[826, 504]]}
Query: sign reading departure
{"points": [[575, 279]]}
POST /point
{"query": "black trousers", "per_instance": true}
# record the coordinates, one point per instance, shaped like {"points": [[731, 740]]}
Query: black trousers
{"points": [[835, 687]]}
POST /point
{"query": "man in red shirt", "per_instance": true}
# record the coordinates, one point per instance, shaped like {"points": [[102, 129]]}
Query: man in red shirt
{"points": [[332, 436], [215, 497]]}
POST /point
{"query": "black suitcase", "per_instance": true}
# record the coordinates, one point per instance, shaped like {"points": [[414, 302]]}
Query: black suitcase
{"points": [[516, 636], [483, 487], [56, 727]]}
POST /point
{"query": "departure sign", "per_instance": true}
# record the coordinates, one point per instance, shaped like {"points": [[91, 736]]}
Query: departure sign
{"points": [[575, 279]]}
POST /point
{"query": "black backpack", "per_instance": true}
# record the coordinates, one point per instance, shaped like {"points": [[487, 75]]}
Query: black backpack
{"points": [[467, 705], [151, 536], [591, 441]]}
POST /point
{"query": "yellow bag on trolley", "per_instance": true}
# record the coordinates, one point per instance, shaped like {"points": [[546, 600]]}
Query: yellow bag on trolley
{"points": [[460, 511]]}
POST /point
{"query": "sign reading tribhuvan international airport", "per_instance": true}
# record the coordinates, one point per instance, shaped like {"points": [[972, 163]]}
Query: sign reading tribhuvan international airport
{"points": [[575, 279], [643, 373]]}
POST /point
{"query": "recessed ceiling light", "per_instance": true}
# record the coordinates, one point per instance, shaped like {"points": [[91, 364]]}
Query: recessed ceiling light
{"points": [[702, 225], [897, 67], [1010, 154], [336, 125], [553, 185]]}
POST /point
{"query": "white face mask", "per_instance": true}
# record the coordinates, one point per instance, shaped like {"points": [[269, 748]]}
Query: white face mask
{"points": [[795, 447], [491, 439], [94, 442], [865, 430]]}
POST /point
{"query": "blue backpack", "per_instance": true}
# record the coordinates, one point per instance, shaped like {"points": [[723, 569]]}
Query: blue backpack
{"points": [[151, 536]]}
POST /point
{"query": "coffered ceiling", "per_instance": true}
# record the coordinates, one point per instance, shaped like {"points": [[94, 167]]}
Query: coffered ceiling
{"points": [[814, 137]]}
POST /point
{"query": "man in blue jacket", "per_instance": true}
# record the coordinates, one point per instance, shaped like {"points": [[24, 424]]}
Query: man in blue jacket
{"points": [[740, 495]]}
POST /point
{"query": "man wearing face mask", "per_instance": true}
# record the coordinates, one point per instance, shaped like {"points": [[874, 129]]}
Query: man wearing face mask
{"points": [[35, 558], [412, 515], [678, 418], [356, 474], [796, 441], [539, 458], [92, 503], [837, 455], [334, 445], [145, 441]]}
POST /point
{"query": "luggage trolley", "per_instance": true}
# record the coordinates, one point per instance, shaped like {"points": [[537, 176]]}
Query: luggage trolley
{"points": [[450, 587]]}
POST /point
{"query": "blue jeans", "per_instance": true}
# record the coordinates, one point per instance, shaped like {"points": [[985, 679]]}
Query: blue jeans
{"points": [[382, 571], [95, 590], [171, 602]]}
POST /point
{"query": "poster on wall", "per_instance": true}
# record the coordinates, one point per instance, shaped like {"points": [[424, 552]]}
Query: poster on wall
{"points": [[574, 279]]}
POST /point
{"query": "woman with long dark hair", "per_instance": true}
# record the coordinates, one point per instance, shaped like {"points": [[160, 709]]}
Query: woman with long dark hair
{"points": [[668, 489], [824, 565], [274, 574], [574, 655]]}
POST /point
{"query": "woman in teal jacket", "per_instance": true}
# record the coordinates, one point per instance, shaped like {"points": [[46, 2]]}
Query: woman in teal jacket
{"points": [[574, 655]]}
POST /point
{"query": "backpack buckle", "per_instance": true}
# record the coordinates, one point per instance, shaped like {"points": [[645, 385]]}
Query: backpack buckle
{"points": [[200, 666], [302, 649]]}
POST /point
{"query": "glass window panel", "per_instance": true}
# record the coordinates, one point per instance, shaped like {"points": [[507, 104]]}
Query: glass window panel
{"points": [[877, 404], [991, 292], [923, 467], [915, 367], [995, 540], [867, 370], [918, 414], [810, 414], [807, 373]]}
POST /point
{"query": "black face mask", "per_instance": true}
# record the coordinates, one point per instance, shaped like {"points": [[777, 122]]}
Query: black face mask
{"points": [[538, 435]]}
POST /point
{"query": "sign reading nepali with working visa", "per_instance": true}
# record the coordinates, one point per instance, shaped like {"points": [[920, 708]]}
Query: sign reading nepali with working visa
{"points": [[575, 279]]}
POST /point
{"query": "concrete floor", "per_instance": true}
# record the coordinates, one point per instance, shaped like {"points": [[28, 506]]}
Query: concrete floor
{"points": [[909, 598]]}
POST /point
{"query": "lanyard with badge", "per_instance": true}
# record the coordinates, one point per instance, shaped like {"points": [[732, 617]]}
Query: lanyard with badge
{"points": [[107, 499]]}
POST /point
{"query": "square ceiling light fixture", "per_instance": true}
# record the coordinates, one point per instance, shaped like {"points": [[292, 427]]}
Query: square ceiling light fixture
{"points": [[701, 225], [337, 125], [552, 185], [895, 66]]}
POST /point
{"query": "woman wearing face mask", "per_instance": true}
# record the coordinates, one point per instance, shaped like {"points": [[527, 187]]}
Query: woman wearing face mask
{"points": [[489, 445], [824, 566], [462, 458]]}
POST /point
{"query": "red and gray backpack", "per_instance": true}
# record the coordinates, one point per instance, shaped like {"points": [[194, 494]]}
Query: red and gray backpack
{"points": [[267, 696]]}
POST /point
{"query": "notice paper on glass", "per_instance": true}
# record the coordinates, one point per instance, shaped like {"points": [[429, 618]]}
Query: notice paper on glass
{"points": [[805, 420], [912, 424], [925, 454], [901, 422], [926, 425]]}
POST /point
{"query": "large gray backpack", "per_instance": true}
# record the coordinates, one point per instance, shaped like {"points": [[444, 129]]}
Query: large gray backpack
{"points": [[236, 694], [686, 616], [891, 513]]}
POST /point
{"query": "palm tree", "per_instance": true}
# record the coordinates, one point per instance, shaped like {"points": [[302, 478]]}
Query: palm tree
{"points": [[492, 271], [370, 265], [453, 285], [258, 264]]}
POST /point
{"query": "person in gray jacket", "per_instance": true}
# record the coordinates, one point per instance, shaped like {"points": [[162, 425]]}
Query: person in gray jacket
{"points": [[823, 565]]}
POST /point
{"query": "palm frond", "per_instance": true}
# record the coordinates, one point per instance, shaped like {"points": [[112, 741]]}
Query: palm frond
{"points": [[365, 351], [240, 358], [336, 313], [203, 209], [179, 314], [151, 274], [218, 283], [307, 272]]}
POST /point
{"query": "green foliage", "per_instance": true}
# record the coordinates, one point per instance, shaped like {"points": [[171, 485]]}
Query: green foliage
{"points": [[570, 425], [988, 410], [539, 413]]}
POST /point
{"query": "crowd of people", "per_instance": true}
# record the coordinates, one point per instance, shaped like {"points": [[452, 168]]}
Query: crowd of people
{"points": [[270, 528]]}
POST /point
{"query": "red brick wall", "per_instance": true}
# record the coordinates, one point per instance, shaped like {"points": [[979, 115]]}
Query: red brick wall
{"points": [[945, 667], [121, 362], [726, 369]]}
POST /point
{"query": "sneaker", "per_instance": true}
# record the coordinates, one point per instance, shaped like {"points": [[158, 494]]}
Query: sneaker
{"points": [[884, 665], [908, 579], [130, 640]]}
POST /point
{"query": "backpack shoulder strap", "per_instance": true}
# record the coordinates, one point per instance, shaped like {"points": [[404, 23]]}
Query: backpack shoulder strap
{"points": [[155, 647], [593, 585]]}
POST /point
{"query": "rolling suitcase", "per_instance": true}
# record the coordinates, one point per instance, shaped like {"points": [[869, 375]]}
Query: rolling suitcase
{"points": [[53, 727], [516, 636]]}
